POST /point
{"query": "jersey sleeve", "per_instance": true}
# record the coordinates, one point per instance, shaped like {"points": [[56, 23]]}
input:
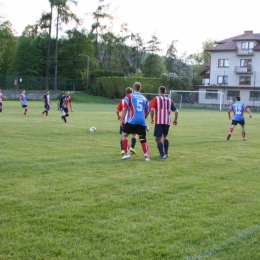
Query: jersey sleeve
{"points": [[153, 103], [119, 106], [173, 107]]}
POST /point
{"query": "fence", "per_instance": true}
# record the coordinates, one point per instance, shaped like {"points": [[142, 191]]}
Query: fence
{"points": [[13, 82]]}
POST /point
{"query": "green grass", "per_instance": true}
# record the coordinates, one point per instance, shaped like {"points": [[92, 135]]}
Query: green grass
{"points": [[66, 193]]}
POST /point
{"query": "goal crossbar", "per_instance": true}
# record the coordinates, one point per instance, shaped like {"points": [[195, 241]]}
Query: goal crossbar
{"points": [[209, 95]]}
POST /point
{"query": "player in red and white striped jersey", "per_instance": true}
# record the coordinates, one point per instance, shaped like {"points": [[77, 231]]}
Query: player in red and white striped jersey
{"points": [[119, 110], [161, 107]]}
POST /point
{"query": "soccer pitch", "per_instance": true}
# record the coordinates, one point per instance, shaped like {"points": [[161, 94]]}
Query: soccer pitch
{"points": [[66, 193]]}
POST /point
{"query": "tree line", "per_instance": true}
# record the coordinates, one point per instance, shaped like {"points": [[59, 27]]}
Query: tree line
{"points": [[88, 53]]}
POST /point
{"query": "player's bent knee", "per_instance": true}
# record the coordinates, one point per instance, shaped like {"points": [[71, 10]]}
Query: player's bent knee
{"points": [[158, 139], [142, 139]]}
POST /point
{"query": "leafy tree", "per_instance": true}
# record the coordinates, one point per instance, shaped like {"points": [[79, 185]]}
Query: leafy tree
{"points": [[153, 45], [97, 29], [8, 44], [199, 60], [138, 50], [74, 49], [64, 15], [30, 31], [153, 66], [171, 57], [29, 57]]}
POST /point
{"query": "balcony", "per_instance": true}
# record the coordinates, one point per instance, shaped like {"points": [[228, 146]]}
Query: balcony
{"points": [[244, 70], [245, 52]]}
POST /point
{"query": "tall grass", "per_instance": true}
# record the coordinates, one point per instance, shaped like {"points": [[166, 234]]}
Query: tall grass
{"points": [[66, 193]]}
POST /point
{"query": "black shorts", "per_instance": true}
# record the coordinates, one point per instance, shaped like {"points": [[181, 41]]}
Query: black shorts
{"points": [[134, 129], [24, 106], [47, 106], [235, 122]]}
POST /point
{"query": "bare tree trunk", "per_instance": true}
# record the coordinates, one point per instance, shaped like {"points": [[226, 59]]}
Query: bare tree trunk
{"points": [[48, 56], [56, 51]]}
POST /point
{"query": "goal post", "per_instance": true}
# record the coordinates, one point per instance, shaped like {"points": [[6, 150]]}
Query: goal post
{"points": [[202, 98]]}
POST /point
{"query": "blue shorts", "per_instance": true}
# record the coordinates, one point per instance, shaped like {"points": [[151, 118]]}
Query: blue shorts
{"points": [[65, 109], [47, 106], [161, 129], [24, 106]]}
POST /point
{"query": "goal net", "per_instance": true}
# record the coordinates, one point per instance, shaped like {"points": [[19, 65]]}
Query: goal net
{"points": [[206, 99]]}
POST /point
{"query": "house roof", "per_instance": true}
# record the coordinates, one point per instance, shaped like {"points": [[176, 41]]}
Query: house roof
{"points": [[229, 44]]}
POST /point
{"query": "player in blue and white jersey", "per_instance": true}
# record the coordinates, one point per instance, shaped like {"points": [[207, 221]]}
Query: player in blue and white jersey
{"points": [[136, 124], [238, 109], [47, 102], [24, 102]]}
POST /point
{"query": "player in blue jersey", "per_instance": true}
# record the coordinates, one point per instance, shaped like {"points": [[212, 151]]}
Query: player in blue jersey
{"points": [[63, 104], [138, 106], [238, 109], [24, 102], [47, 102]]}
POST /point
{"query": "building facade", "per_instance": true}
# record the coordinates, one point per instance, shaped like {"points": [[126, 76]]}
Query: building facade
{"points": [[234, 70]]}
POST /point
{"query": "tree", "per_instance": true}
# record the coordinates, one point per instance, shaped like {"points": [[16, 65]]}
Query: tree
{"points": [[199, 60], [72, 45], [64, 15], [29, 57], [8, 44], [45, 22], [97, 28], [171, 57], [138, 50], [153, 66]]}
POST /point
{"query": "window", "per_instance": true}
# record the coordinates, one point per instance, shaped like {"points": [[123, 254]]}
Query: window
{"points": [[223, 63], [231, 94], [211, 94], [254, 95], [244, 80], [245, 63], [222, 80], [247, 45]]}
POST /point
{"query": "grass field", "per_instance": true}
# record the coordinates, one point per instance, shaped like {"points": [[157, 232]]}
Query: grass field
{"points": [[66, 193]]}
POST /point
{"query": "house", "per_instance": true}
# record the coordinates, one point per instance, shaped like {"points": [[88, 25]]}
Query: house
{"points": [[234, 70], [206, 74]]}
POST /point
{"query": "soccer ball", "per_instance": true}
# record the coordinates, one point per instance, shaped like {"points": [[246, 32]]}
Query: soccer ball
{"points": [[92, 129]]}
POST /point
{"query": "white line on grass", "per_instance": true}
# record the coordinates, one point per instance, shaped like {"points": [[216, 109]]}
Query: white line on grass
{"points": [[215, 248]]}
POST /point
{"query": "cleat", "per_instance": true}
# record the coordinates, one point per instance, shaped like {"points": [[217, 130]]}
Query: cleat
{"points": [[161, 157], [132, 150], [126, 156], [122, 152], [243, 138], [228, 137], [147, 158], [167, 155]]}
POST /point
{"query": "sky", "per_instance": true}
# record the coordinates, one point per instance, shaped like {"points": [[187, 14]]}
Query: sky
{"points": [[188, 22]]}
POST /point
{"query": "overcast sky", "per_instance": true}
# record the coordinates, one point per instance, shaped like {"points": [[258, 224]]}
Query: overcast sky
{"points": [[190, 22]]}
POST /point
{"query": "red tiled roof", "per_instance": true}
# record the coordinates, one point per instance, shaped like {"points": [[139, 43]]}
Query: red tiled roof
{"points": [[229, 44]]}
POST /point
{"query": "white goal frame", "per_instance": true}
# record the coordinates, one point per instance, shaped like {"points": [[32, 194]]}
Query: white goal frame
{"points": [[220, 96]]}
